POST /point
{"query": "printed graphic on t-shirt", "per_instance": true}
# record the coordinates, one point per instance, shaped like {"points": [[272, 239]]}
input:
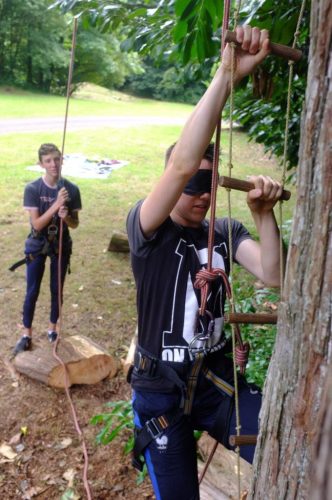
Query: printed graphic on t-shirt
{"points": [[47, 199], [193, 325], [165, 268]]}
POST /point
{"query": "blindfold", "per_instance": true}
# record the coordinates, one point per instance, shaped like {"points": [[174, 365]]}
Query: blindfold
{"points": [[199, 183]]}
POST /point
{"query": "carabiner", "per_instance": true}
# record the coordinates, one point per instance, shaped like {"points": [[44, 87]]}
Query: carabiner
{"points": [[52, 230]]}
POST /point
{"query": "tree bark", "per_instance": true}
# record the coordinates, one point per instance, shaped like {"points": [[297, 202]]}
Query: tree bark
{"points": [[296, 414], [321, 484]]}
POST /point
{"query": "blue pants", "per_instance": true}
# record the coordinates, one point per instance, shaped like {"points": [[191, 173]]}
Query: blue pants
{"points": [[34, 275], [171, 458]]}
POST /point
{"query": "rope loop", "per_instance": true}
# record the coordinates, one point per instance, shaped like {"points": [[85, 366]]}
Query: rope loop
{"points": [[204, 277], [242, 355]]}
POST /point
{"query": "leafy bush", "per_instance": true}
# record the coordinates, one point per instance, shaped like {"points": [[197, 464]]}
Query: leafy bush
{"points": [[166, 83], [119, 421], [263, 118], [260, 337]]}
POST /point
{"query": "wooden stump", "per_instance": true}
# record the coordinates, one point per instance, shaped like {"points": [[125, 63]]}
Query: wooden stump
{"points": [[220, 481], [119, 243], [126, 364], [86, 363]]}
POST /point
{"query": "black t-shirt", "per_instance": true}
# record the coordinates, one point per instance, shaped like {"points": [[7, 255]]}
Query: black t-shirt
{"points": [[165, 267], [38, 194]]}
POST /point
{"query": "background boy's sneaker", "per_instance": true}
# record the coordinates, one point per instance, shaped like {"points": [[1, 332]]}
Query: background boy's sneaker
{"points": [[52, 336], [22, 345]]}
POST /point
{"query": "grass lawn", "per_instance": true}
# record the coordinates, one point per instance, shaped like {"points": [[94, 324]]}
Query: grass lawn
{"points": [[90, 100], [100, 293]]}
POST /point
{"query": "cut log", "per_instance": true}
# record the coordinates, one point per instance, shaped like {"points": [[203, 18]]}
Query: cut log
{"points": [[119, 243], [85, 361], [220, 481], [126, 364]]}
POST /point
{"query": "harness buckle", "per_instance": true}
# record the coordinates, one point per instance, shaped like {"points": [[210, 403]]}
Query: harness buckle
{"points": [[52, 231], [156, 426], [139, 362], [144, 364]]}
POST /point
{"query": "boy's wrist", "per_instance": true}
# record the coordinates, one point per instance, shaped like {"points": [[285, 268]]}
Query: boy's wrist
{"points": [[226, 75]]}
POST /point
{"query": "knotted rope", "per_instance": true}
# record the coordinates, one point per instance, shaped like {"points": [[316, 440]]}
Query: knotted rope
{"points": [[204, 278]]}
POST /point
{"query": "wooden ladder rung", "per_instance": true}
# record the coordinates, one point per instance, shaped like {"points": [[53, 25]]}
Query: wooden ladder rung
{"points": [[240, 185], [244, 439], [252, 318], [276, 48]]}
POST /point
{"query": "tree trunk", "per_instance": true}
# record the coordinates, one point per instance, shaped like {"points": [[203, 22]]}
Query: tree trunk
{"points": [[321, 485], [296, 425]]}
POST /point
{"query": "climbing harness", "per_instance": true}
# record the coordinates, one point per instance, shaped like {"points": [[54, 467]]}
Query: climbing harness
{"points": [[182, 376], [39, 244], [42, 247]]}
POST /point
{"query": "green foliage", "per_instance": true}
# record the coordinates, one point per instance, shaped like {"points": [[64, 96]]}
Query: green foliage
{"points": [[35, 44], [286, 231], [165, 82], [264, 118], [120, 418], [99, 59], [260, 337], [261, 103], [118, 422], [177, 29], [31, 43]]}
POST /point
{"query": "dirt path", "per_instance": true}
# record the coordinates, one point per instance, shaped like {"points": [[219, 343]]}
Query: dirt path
{"points": [[26, 125]]}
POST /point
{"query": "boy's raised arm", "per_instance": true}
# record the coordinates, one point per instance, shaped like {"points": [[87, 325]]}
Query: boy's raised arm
{"points": [[198, 130]]}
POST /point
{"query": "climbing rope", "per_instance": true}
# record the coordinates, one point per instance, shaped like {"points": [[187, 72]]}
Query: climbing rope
{"points": [[286, 137], [59, 277], [244, 352], [205, 276]]}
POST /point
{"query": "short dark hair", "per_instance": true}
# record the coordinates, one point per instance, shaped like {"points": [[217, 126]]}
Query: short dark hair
{"points": [[46, 149], [208, 155]]}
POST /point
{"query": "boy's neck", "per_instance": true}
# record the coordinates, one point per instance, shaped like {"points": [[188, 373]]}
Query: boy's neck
{"points": [[50, 180]]}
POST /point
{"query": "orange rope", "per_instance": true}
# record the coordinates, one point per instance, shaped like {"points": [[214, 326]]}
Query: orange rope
{"points": [[214, 185], [205, 276]]}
